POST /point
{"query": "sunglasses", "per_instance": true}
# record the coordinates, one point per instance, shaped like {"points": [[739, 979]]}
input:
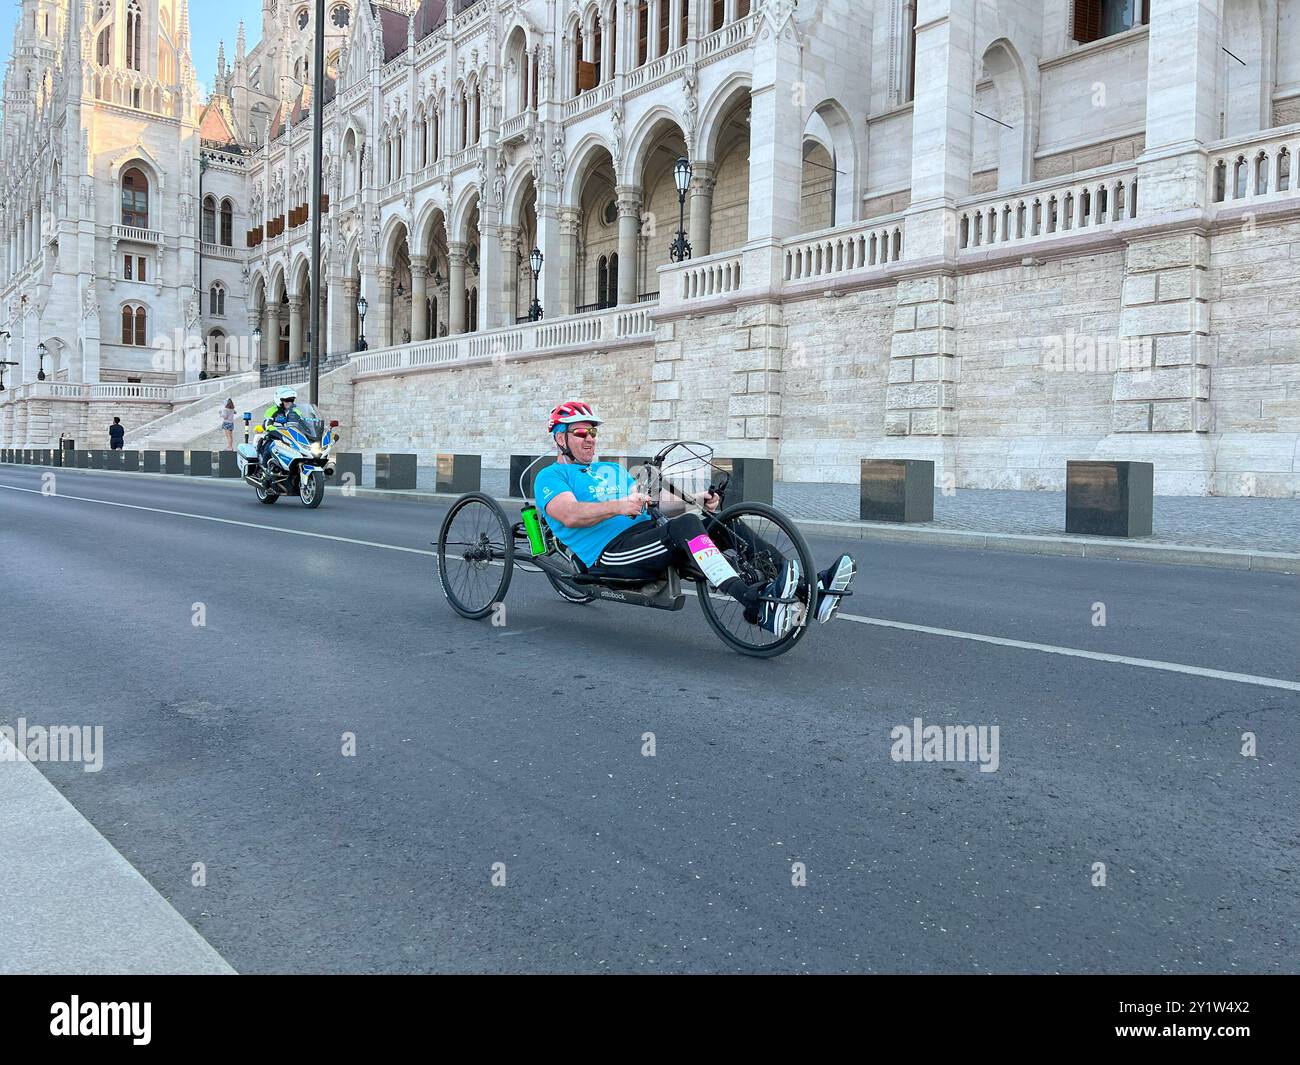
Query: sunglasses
{"points": [[582, 434]]}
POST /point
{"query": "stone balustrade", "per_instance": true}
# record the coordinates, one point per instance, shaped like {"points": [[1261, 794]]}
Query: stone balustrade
{"points": [[605, 328], [1256, 170], [1048, 209]]}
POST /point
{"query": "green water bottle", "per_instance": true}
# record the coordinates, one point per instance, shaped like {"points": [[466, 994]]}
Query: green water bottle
{"points": [[533, 526]]}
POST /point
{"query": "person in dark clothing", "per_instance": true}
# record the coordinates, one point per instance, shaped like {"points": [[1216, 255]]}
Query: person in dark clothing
{"points": [[116, 434]]}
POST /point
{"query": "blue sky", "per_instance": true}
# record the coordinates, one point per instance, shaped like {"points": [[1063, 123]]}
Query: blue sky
{"points": [[210, 21]]}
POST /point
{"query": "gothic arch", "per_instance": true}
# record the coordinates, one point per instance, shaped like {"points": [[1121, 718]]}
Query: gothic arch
{"points": [[395, 231], [715, 111], [461, 214], [652, 126], [430, 217], [516, 192], [589, 152]]}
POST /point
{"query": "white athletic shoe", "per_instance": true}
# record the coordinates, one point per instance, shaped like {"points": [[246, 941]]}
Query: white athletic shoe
{"points": [[836, 578], [780, 618]]}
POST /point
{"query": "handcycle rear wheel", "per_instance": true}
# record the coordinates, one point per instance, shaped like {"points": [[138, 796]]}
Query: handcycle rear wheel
{"points": [[475, 555], [724, 614]]}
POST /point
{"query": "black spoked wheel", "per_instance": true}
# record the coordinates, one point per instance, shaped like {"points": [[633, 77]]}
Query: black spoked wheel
{"points": [[475, 555], [757, 540], [571, 592], [312, 489]]}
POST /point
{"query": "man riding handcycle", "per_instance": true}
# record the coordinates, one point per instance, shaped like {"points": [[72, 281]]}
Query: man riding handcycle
{"points": [[604, 534]]}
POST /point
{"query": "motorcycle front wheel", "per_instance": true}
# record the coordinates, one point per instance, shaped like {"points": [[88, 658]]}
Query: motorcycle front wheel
{"points": [[311, 490]]}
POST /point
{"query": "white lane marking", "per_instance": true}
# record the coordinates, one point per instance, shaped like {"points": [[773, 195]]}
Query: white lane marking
{"points": [[1075, 652], [225, 521], [999, 641]]}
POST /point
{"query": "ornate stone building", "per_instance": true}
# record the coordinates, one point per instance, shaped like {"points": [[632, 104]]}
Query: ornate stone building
{"points": [[998, 234]]}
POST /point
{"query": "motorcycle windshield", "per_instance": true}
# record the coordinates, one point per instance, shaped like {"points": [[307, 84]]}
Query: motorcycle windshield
{"points": [[306, 421]]}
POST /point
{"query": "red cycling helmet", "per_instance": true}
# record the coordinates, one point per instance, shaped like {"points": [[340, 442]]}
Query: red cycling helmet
{"points": [[570, 413]]}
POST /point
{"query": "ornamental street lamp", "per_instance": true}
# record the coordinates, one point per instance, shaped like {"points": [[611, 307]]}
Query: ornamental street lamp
{"points": [[680, 248], [41, 352], [361, 314], [257, 345], [535, 261]]}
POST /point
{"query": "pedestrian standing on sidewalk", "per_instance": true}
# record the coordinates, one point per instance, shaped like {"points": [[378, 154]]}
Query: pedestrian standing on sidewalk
{"points": [[228, 423], [116, 434]]}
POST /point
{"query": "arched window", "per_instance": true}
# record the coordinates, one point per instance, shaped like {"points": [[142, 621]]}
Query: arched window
{"points": [[104, 47], [1283, 170], [1239, 172], [602, 282], [1220, 182], [135, 199], [664, 23], [478, 108], [134, 34], [134, 326], [217, 300], [227, 223], [209, 220], [642, 31], [613, 280]]}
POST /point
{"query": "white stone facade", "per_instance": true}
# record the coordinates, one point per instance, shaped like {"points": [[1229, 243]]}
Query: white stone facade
{"points": [[999, 234]]}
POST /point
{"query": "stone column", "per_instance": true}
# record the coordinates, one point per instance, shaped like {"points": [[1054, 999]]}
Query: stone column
{"points": [[509, 274], [341, 305], [921, 396], [489, 276], [703, 181], [1164, 357], [776, 130], [272, 334], [295, 330], [419, 294], [456, 287], [1183, 46], [629, 230], [568, 266], [381, 308], [655, 13], [941, 126], [551, 243]]}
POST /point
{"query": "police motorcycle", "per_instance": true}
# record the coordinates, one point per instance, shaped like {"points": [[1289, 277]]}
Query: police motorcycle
{"points": [[299, 456]]}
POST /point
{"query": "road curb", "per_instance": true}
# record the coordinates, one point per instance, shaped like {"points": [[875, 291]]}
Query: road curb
{"points": [[966, 539]]}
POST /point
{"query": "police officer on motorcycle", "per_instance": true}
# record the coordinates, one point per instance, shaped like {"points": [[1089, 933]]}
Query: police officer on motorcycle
{"points": [[285, 398]]}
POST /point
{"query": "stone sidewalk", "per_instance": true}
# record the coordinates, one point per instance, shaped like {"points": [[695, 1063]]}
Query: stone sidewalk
{"points": [[1225, 522]]}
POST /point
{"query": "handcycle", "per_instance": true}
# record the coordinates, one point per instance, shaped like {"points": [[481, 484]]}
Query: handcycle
{"points": [[479, 549]]}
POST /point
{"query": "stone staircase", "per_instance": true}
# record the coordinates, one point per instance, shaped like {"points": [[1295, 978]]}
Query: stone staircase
{"points": [[197, 425]]}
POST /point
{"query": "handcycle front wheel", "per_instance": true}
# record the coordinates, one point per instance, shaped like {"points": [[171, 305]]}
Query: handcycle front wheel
{"points": [[476, 555], [570, 592], [757, 539]]}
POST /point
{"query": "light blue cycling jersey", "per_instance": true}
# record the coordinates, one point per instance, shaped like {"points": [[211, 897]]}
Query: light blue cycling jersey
{"points": [[597, 483]]}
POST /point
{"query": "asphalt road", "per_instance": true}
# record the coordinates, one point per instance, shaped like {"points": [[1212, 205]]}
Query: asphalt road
{"points": [[523, 745]]}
